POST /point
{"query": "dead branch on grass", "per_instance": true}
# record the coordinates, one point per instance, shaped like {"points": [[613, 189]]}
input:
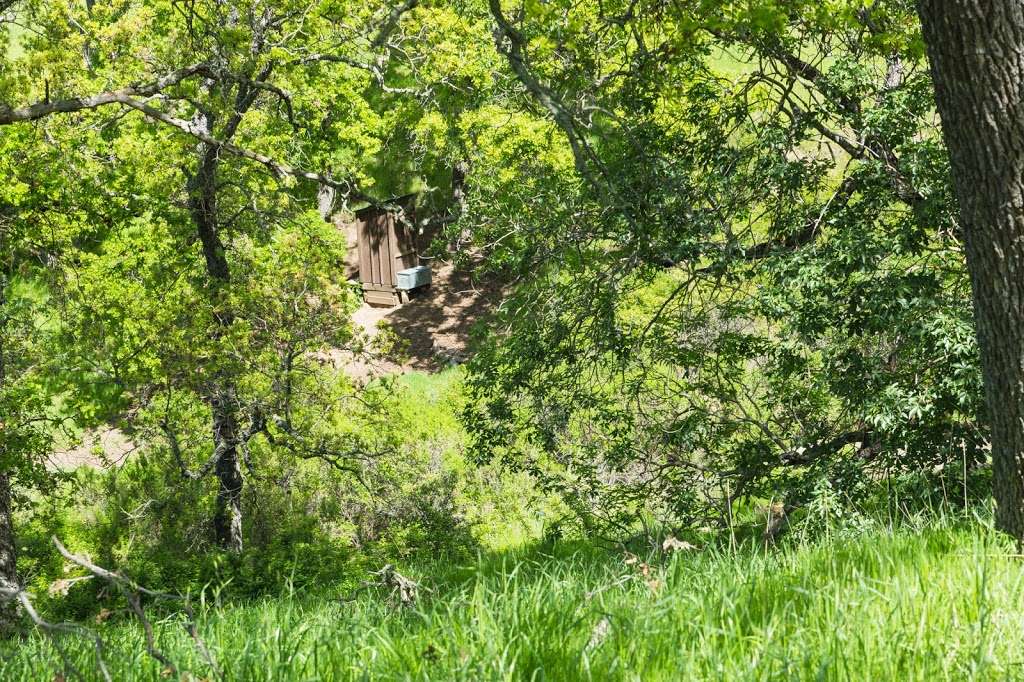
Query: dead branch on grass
{"points": [[134, 594]]}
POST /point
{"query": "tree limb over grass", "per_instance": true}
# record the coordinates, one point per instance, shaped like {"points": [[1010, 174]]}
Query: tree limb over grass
{"points": [[54, 630], [134, 595]]}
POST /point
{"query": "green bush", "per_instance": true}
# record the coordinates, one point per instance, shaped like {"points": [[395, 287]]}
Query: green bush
{"points": [[307, 524]]}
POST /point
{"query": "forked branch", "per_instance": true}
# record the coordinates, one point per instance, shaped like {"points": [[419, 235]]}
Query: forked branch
{"points": [[134, 594]]}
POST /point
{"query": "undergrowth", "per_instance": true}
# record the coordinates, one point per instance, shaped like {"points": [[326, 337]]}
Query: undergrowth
{"points": [[928, 599]]}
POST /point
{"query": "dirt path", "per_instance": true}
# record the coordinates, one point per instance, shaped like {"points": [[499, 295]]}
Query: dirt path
{"points": [[435, 326]]}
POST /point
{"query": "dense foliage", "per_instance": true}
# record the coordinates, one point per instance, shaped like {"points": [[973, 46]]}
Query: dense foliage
{"points": [[733, 297], [754, 283]]}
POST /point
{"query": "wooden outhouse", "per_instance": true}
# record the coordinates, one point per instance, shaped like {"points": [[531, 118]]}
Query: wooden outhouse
{"points": [[386, 243]]}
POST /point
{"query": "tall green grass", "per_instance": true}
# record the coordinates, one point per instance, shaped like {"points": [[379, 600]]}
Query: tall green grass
{"points": [[944, 601]]}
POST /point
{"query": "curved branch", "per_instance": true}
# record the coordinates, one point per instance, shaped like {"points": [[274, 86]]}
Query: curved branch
{"points": [[34, 112], [510, 43], [276, 168], [133, 593], [131, 97], [391, 23], [810, 454], [257, 426], [52, 630]]}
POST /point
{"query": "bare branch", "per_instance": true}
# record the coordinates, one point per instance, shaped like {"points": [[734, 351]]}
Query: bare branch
{"points": [[374, 68], [53, 630], [133, 593], [40, 110], [285, 98], [391, 23]]}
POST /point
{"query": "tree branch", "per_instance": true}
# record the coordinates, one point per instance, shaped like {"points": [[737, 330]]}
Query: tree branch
{"points": [[276, 168], [52, 630], [810, 454], [130, 97], [510, 43], [812, 228], [133, 593], [257, 426], [391, 23], [34, 112]]}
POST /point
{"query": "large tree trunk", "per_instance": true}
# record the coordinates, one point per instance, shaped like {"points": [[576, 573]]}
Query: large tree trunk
{"points": [[976, 49]]}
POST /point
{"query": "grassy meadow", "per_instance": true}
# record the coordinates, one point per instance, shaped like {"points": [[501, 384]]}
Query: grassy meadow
{"points": [[928, 600]]}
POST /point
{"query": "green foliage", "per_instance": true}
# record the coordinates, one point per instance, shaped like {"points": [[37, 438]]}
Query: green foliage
{"points": [[737, 283], [752, 280], [311, 524]]}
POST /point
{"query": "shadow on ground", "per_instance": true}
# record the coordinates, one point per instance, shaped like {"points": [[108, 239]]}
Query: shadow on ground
{"points": [[437, 324]]}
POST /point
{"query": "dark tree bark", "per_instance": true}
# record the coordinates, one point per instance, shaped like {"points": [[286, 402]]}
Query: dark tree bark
{"points": [[976, 48], [8, 545], [227, 521], [222, 394], [8, 556], [202, 188]]}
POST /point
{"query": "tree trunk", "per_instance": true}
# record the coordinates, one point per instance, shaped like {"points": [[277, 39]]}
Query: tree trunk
{"points": [[222, 395], [8, 557], [325, 202], [976, 48], [227, 520], [8, 545]]}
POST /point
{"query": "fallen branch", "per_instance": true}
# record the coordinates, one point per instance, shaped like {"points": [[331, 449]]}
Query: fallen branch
{"points": [[52, 630], [134, 593], [406, 589]]}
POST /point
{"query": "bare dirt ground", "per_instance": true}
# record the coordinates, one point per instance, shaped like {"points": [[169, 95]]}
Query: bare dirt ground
{"points": [[434, 327], [99, 449]]}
